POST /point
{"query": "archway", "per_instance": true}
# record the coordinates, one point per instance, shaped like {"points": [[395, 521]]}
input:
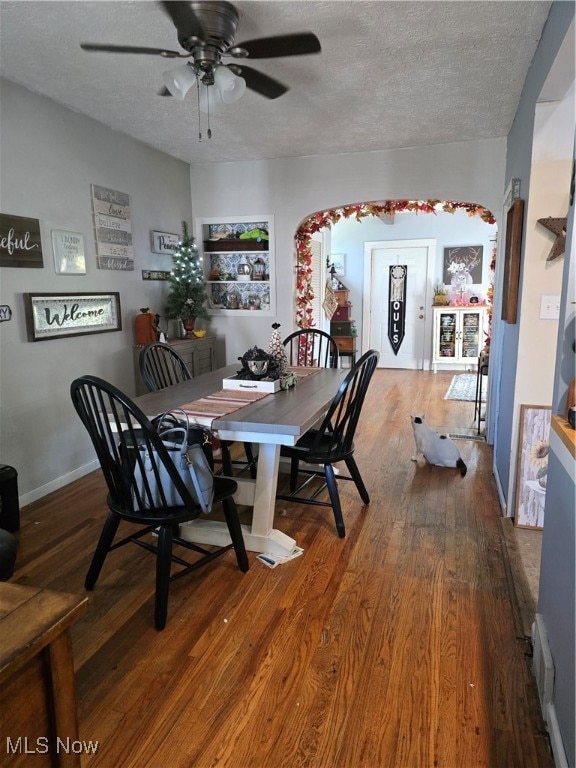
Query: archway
{"points": [[325, 219]]}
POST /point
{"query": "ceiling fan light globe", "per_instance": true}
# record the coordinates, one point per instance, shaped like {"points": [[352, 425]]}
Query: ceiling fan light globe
{"points": [[232, 95], [210, 99], [223, 78], [179, 81]]}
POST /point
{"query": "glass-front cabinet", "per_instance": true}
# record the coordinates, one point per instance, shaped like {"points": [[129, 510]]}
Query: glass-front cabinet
{"points": [[458, 336], [239, 264]]}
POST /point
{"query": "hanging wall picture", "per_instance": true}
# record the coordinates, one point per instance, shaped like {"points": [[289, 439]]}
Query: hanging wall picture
{"points": [[164, 242], [463, 265], [532, 469], [20, 244], [113, 229], [55, 315], [397, 305], [68, 247]]}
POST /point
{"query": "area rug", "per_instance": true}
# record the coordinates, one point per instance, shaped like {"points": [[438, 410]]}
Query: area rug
{"points": [[462, 387]]}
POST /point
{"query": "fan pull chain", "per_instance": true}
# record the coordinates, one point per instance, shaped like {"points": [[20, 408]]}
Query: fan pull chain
{"points": [[209, 131], [198, 99]]}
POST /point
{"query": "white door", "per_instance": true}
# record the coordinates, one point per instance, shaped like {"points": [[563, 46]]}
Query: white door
{"points": [[416, 255]]}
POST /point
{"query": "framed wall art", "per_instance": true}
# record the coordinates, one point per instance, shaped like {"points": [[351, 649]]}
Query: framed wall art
{"points": [[164, 242], [512, 254], [532, 466], [338, 261], [57, 315], [69, 256], [463, 265], [20, 243]]}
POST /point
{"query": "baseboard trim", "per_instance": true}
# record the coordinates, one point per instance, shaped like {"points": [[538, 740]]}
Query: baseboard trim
{"points": [[503, 506], [59, 482], [556, 743], [542, 664]]}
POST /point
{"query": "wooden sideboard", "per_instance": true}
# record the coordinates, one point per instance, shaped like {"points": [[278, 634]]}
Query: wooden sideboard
{"points": [[38, 702], [198, 354]]}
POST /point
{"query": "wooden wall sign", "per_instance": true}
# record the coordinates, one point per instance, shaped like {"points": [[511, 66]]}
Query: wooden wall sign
{"points": [[512, 254], [164, 242], [20, 244], [56, 315], [155, 274], [113, 229]]}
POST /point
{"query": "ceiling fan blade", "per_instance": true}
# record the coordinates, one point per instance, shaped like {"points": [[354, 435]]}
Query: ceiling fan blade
{"points": [[132, 49], [184, 19], [263, 84], [281, 45]]}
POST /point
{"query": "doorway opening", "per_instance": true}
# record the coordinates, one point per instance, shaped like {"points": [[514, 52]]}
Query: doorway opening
{"points": [[369, 251]]}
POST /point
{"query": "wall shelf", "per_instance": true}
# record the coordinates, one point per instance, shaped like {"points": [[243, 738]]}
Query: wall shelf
{"points": [[231, 296]]}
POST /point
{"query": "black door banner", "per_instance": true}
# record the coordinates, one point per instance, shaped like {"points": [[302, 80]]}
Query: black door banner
{"points": [[397, 306]]}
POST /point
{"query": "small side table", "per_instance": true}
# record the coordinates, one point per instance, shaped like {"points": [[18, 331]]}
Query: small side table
{"points": [[38, 705], [483, 363]]}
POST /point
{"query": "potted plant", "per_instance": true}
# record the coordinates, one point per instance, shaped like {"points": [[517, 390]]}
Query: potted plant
{"points": [[440, 296], [187, 297]]}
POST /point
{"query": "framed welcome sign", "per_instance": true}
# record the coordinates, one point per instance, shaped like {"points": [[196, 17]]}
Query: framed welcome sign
{"points": [[56, 315]]}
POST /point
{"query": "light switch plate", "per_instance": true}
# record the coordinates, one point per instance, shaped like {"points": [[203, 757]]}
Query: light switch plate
{"points": [[549, 307]]}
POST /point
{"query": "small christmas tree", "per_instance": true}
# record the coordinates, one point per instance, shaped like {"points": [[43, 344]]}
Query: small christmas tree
{"points": [[276, 349], [187, 297]]}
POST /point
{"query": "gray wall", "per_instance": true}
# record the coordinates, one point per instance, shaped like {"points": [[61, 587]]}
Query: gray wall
{"points": [[49, 158], [557, 597]]}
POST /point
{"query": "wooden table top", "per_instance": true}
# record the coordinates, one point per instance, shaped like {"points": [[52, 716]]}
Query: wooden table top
{"points": [[30, 618], [291, 411]]}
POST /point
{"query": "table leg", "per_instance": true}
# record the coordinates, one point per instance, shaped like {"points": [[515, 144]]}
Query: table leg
{"points": [[261, 536], [64, 699]]}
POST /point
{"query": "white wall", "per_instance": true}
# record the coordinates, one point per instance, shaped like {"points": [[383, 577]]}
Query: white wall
{"points": [[549, 187], [49, 157], [293, 188]]}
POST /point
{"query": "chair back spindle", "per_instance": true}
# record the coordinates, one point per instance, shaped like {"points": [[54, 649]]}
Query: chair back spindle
{"points": [[311, 347]]}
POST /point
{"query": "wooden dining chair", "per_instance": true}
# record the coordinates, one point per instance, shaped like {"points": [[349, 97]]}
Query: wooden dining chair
{"points": [[311, 347], [160, 367], [331, 442], [129, 448]]}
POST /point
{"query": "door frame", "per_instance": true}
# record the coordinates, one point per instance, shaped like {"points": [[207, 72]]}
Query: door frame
{"points": [[425, 242]]}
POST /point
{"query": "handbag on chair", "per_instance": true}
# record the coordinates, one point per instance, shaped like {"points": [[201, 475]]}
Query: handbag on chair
{"points": [[190, 450]]}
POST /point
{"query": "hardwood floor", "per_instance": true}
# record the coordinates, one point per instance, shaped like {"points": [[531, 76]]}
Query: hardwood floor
{"points": [[395, 646]]}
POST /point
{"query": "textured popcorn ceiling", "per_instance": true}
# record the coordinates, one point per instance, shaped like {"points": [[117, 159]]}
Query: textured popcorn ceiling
{"points": [[391, 74]]}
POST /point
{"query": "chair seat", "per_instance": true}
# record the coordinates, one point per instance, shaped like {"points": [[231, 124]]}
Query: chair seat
{"points": [[223, 488], [325, 451]]}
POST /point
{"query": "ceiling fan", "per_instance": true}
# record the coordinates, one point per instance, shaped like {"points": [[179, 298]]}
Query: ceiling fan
{"points": [[206, 31]]}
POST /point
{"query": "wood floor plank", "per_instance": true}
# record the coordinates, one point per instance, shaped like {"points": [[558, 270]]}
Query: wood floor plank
{"points": [[395, 647]]}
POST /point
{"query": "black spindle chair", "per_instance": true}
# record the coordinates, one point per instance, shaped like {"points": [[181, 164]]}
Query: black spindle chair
{"points": [[311, 347], [124, 440], [332, 442]]}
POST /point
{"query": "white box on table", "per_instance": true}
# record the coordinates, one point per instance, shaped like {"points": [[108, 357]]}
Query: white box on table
{"points": [[233, 382]]}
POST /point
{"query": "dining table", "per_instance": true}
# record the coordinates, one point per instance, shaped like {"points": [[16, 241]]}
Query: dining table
{"points": [[277, 419]]}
